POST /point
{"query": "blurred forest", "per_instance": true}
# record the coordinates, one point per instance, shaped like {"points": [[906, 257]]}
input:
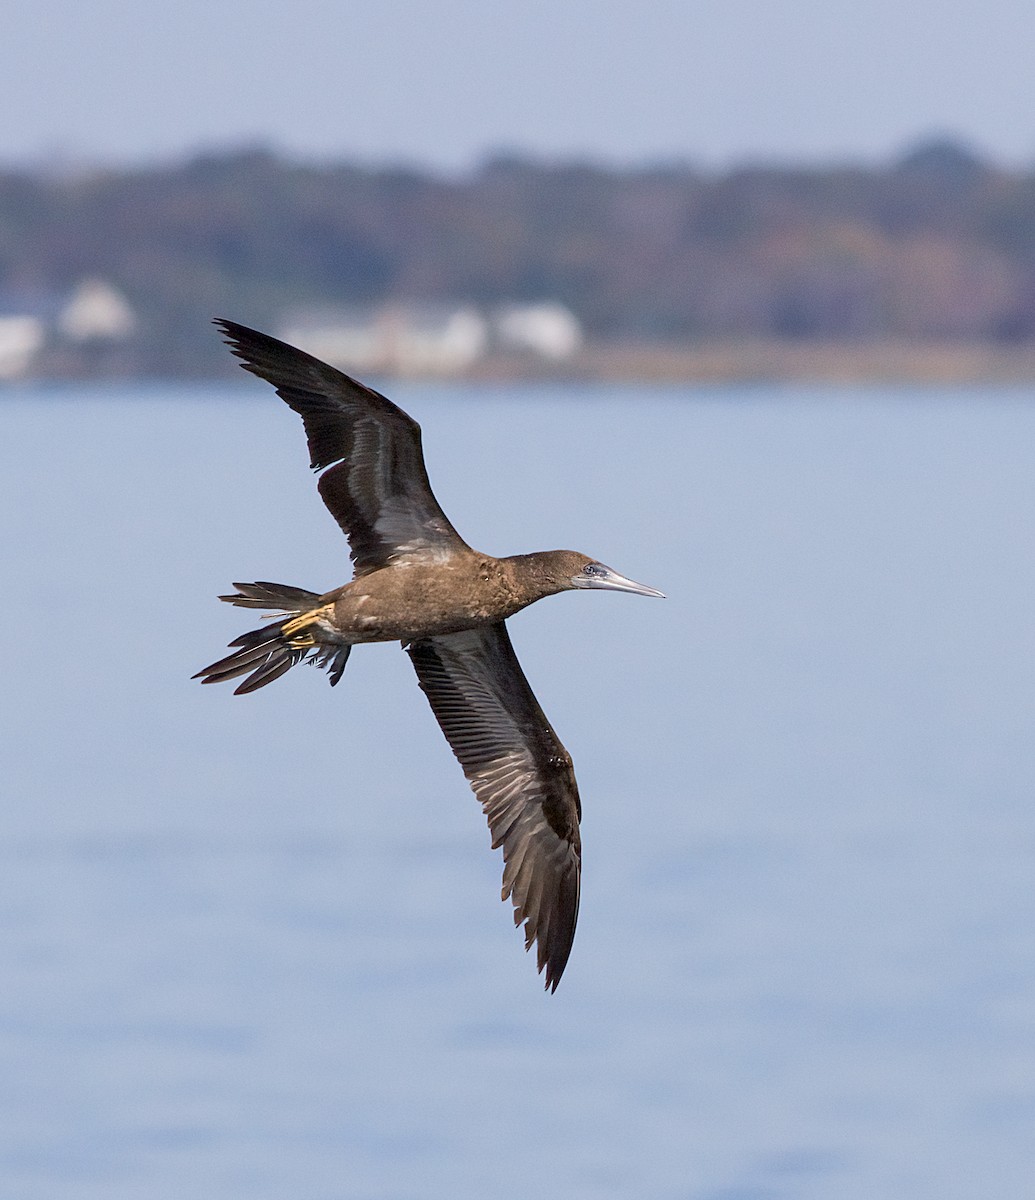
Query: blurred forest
{"points": [[937, 247]]}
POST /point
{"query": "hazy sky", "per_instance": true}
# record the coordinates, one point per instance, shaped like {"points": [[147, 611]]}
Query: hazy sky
{"points": [[444, 81]]}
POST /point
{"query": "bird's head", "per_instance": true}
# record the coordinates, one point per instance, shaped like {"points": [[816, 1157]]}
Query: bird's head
{"points": [[570, 570]]}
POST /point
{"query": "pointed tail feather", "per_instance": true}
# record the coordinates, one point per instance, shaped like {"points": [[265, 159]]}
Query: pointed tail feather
{"points": [[265, 654], [278, 597]]}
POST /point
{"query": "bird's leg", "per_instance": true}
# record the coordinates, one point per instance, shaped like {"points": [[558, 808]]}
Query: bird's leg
{"points": [[298, 633]]}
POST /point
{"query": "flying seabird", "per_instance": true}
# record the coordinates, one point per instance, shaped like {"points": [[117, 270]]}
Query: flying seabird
{"points": [[417, 582]]}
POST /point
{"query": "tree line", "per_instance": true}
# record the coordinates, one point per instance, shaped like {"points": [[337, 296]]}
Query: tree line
{"points": [[938, 245]]}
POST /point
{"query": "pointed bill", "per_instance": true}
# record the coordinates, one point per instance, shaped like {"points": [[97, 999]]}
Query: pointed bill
{"points": [[596, 575]]}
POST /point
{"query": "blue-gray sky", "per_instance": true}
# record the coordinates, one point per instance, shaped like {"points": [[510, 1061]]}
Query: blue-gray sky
{"points": [[444, 81]]}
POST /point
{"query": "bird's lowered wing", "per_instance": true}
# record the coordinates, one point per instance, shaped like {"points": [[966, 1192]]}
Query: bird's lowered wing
{"points": [[376, 486], [519, 771]]}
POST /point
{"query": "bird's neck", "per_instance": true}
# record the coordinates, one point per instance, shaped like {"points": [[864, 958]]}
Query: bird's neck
{"points": [[530, 577]]}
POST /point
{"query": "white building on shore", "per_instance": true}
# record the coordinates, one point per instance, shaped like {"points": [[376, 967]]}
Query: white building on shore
{"points": [[21, 339], [431, 339], [548, 330], [393, 339]]}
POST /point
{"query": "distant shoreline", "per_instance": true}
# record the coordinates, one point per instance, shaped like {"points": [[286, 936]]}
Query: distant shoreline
{"points": [[704, 363], [772, 361]]}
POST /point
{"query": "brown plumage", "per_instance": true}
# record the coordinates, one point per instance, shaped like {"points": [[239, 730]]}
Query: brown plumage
{"points": [[416, 581]]}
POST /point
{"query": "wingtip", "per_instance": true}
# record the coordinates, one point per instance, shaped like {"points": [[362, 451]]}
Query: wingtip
{"points": [[264, 355], [259, 353], [234, 336], [554, 971], [233, 333], [552, 959]]}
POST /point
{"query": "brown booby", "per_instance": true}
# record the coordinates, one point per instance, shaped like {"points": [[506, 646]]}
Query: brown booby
{"points": [[417, 582]]}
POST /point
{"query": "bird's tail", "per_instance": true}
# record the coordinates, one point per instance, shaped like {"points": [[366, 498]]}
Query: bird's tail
{"points": [[266, 653]]}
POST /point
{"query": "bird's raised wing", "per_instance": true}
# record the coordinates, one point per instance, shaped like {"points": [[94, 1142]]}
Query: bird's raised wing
{"points": [[376, 486], [519, 771]]}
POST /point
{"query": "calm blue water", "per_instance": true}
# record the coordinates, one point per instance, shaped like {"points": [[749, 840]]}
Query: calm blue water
{"points": [[251, 947]]}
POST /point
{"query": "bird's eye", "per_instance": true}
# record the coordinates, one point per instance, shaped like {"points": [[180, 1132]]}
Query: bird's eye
{"points": [[592, 569]]}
